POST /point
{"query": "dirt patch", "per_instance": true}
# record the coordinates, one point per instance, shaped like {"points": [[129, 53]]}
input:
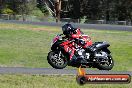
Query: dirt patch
{"points": [[45, 29], [29, 27]]}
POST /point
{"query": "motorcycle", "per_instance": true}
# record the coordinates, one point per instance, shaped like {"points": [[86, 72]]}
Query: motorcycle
{"points": [[101, 57]]}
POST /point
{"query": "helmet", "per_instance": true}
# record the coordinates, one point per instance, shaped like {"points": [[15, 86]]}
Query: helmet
{"points": [[67, 29]]}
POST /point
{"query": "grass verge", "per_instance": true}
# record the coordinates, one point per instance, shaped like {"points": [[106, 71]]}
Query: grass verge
{"points": [[24, 45], [37, 81]]}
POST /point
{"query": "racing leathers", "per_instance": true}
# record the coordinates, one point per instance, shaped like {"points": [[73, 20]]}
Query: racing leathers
{"points": [[73, 37]]}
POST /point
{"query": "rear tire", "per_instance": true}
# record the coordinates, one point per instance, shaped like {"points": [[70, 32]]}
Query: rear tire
{"points": [[102, 67], [56, 65]]}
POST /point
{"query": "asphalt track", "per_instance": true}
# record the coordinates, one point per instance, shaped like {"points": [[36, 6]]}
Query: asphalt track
{"points": [[84, 26], [52, 71]]}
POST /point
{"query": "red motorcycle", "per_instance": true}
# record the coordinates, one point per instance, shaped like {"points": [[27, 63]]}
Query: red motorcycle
{"points": [[58, 58]]}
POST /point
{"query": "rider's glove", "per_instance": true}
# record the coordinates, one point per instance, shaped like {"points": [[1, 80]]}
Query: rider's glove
{"points": [[82, 42]]}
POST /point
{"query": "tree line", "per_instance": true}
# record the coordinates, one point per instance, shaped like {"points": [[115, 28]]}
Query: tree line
{"points": [[109, 10], [21, 7]]}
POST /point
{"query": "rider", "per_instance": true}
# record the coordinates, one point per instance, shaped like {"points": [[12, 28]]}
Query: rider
{"points": [[72, 34]]}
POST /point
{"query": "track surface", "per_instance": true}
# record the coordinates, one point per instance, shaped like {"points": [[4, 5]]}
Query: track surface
{"points": [[84, 26], [52, 71]]}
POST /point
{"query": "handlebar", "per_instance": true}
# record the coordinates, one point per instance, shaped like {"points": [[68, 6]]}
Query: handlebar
{"points": [[72, 41]]}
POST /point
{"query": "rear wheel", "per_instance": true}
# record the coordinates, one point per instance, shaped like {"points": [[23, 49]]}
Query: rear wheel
{"points": [[105, 64], [57, 60]]}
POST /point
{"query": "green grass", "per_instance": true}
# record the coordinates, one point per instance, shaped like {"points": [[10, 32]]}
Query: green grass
{"points": [[28, 45], [37, 81]]}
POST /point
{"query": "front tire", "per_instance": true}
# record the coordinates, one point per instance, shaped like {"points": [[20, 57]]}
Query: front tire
{"points": [[55, 61]]}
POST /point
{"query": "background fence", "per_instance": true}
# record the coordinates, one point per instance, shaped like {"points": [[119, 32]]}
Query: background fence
{"points": [[51, 19]]}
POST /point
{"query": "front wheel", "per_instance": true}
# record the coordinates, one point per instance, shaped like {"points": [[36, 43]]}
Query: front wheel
{"points": [[57, 60], [107, 64]]}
